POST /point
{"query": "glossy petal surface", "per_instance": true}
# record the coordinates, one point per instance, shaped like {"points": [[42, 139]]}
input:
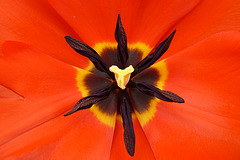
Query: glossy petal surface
{"points": [[144, 21], [37, 23], [33, 126], [207, 18], [143, 149], [207, 125]]}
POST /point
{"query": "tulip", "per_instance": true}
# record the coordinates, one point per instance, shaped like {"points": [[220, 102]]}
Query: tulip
{"points": [[42, 79]]}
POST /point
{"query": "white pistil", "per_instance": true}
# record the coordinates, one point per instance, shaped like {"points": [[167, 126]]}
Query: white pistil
{"points": [[122, 76]]}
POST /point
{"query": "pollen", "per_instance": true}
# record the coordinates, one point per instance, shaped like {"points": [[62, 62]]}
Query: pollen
{"points": [[122, 76]]}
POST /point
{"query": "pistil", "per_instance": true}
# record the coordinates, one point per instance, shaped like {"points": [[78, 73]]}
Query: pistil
{"points": [[122, 76]]}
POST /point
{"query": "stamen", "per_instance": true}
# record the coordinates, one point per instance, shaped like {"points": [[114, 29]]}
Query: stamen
{"points": [[125, 108], [156, 92], [87, 102], [121, 38], [90, 53], [153, 57], [122, 76]]}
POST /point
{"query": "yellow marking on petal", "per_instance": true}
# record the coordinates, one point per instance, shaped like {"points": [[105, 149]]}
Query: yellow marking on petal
{"points": [[145, 49], [99, 47], [81, 74], [103, 117], [122, 76], [119, 117], [161, 66], [146, 116]]}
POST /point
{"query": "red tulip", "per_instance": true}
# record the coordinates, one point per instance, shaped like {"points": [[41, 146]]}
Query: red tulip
{"points": [[42, 78]]}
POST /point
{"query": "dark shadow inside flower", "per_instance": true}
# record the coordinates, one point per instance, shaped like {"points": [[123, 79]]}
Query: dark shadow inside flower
{"points": [[125, 88], [109, 56]]}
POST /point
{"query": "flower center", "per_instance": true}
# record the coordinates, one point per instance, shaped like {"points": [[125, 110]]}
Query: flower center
{"points": [[122, 76], [125, 102]]}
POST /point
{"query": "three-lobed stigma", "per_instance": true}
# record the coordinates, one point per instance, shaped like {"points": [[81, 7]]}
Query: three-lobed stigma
{"points": [[122, 76]]}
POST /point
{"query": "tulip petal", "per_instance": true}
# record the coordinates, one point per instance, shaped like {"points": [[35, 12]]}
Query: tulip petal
{"points": [[38, 24], [58, 19], [142, 148], [209, 17], [48, 89], [79, 136], [27, 71], [8, 93], [206, 126], [144, 21], [40, 80]]}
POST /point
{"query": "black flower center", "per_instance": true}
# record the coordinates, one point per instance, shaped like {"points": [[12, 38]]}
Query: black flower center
{"points": [[134, 93]]}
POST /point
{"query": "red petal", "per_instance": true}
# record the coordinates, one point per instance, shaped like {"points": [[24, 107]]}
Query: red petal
{"points": [[38, 24], [142, 148], [8, 93], [32, 74], [46, 89], [206, 126], [144, 21], [34, 127], [208, 18], [80, 136]]}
